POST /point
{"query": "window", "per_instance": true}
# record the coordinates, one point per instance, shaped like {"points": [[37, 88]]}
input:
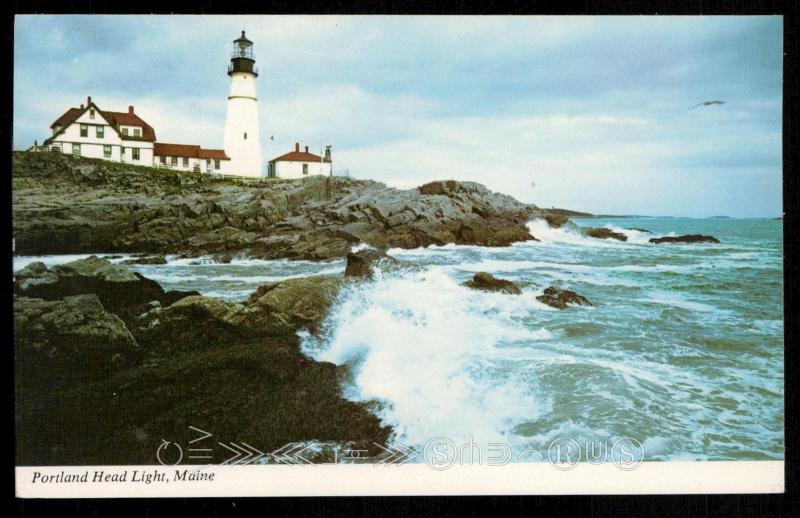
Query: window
{"points": [[135, 152], [216, 163], [84, 130], [163, 160], [122, 152], [305, 168], [100, 131], [76, 150], [186, 161], [106, 151], [174, 160], [137, 132], [245, 136], [125, 131], [91, 113]]}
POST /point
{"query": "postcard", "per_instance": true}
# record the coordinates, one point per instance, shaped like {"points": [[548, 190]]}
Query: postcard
{"points": [[397, 255]]}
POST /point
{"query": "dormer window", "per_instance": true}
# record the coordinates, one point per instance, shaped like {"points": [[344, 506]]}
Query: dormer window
{"points": [[125, 131], [137, 132]]}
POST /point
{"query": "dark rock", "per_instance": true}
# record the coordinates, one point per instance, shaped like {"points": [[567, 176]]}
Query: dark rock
{"points": [[155, 259], [559, 298], [605, 233], [282, 307], [116, 285], [274, 309], [71, 338], [173, 296], [556, 220], [61, 205], [34, 276], [361, 263], [690, 238], [487, 282], [640, 230], [90, 391]]}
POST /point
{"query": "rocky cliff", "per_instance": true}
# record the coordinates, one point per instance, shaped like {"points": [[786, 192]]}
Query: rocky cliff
{"points": [[63, 204], [108, 365]]}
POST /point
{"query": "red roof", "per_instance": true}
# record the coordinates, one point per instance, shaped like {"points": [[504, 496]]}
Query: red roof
{"points": [[115, 119], [68, 118], [187, 150], [213, 153], [299, 156], [118, 119]]}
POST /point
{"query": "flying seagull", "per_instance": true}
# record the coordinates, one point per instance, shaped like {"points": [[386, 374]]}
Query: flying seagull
{"points": [[706, 103]]}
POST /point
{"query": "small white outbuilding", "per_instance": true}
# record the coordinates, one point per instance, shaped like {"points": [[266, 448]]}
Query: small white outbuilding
{"points": [[299, 164]]}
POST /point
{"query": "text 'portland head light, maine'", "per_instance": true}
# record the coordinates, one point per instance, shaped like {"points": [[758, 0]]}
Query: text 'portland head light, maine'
{"points": [[242, 141]]}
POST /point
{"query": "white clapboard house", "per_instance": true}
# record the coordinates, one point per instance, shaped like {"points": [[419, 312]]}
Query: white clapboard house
{"points": [[299, 164], [88, 131], [91, 132]]}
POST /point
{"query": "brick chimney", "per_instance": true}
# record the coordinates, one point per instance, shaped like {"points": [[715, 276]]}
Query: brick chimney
{"points": [[297, 147], [81, 106], [306, 149], [88, 100], [130, 110]]}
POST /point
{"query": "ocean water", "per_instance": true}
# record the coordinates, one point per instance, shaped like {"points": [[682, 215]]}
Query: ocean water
{"points": [[682, 350]]}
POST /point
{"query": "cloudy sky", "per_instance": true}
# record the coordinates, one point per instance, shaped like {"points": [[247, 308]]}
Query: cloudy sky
{"points": [[587, 113]]}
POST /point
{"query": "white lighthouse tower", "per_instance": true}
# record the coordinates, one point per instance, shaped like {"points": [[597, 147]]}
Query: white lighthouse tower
{"points": [[242, 140]]}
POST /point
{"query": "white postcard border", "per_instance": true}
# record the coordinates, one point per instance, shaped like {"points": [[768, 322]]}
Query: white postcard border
{"points": [[673, 477]]}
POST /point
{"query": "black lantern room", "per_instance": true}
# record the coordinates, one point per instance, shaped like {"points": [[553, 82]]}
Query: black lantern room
{"points": [[243, 59]]}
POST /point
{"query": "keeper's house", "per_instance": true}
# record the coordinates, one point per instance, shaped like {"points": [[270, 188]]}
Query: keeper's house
{"points": [[91, 132], [88, 131], [299, 164]]}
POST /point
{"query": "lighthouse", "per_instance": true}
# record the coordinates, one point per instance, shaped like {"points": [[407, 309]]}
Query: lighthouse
{"points": [[242, 141]]}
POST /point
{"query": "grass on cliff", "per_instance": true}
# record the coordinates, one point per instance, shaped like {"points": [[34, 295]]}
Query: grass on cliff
{"points": [[26, 161]]}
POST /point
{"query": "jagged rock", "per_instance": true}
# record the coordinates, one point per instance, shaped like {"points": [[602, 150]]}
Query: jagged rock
{"points": [[34, 275], [155, 259], [487, 282], [116, 285], [690, 238], [361, 263], [559, 298], [71, 338], [640, 230], [605, 233], [282, 307], [61, 205], [556, 220], [273, 310]]}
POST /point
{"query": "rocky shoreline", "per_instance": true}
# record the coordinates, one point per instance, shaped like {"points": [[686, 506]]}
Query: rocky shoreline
{"points": [[63, 204], [109, 365]]}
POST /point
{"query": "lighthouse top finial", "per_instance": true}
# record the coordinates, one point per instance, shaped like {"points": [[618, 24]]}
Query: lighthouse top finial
{"points": [[242, 39]]}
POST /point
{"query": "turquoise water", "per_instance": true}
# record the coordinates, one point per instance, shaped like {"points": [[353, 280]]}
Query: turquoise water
{"points": [[682, 350]]}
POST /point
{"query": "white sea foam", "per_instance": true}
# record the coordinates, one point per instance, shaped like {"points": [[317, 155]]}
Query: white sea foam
{"points": [[542, 231], [427, 347], [361, 246]]}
